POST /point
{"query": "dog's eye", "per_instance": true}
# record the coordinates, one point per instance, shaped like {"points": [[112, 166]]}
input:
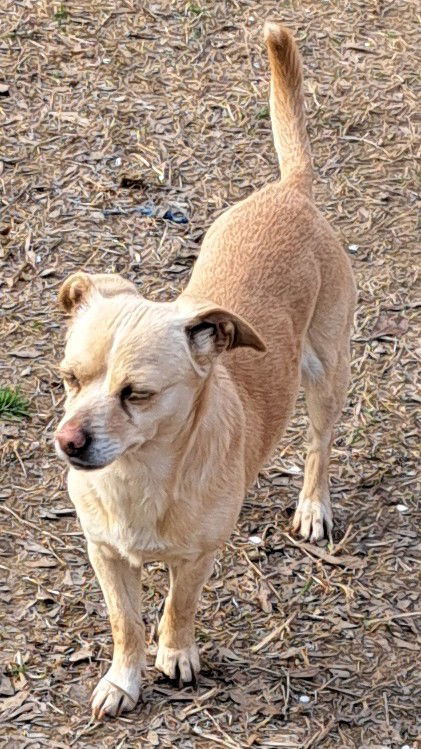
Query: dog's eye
{"points": [[129, 394]]}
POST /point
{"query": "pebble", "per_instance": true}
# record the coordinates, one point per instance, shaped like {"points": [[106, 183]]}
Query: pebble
{"points": [[402, 508], [304, 698], [255, 540]]}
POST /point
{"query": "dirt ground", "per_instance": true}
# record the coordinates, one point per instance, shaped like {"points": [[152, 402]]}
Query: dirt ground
{"points": [[116, 109]]}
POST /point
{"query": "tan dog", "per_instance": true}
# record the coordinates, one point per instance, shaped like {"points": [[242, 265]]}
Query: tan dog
{"points": [[170, 412]]}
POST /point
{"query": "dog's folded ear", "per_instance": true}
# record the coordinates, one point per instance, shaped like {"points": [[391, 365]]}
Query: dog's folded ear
{"points": [[215, 329], [77, 289]]}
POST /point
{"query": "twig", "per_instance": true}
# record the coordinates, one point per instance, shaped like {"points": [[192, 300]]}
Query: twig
{"points": [[386, 709], [29, 524], [260, 573], [391, 618], [321, 734], [271, 636], [341, 543], [315, 551]]}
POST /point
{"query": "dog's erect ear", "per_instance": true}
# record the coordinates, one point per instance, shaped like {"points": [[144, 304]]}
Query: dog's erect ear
{"points": [[216, 329], [77, 288]]}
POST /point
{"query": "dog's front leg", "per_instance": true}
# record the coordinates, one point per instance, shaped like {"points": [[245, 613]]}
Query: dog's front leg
{"points": [[119, 689], [178, 656]]}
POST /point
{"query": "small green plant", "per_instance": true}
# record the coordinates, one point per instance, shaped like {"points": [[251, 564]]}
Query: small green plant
{"points": [[307, 586], [12, 404], [61, 13], [263, 113], [15, 669], [196, 10]]}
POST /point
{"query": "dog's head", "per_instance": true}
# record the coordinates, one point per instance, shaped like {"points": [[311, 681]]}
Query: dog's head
{"points": [[133, 369]]}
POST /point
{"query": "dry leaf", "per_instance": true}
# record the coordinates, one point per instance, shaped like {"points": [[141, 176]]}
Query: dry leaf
{"points": [[389, 325], [81, 655], [72, 117], [25, 353], [11, 703], [6, 687], [42, 563], [303, 673], [263, 596]]}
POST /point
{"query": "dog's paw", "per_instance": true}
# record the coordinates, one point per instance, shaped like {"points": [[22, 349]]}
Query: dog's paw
{"points": [[313, 519], [109, 699], [182, 665]]}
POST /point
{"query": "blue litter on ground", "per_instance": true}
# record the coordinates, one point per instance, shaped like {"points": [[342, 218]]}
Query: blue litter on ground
{"points": [[150, 209], [175, 216]]}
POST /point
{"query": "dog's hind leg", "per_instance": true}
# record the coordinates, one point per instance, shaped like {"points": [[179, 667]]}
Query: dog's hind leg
{"points": [[325, 380], [178, 656]]}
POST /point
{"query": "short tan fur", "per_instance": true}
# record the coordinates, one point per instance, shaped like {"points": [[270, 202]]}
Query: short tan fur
{"points": [[172, 408]]}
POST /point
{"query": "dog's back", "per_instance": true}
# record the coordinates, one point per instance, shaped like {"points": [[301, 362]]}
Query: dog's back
{"points": [[273, 259]]}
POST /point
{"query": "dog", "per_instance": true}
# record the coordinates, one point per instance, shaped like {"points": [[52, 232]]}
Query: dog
{"points": [[173, 407]]}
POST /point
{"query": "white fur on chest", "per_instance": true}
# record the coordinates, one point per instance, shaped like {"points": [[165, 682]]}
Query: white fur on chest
{"points": [[121, 506]]}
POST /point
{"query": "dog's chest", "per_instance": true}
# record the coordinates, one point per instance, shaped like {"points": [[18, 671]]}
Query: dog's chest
{"points": [[124, 512]]}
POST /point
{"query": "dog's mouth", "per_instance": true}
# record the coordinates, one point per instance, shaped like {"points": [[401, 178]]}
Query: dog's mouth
{"points": [[78, 463], [81, 465]]}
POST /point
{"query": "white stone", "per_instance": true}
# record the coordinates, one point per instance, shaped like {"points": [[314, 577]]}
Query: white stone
{"points": [[402, 508], [255, 540], [304, 698]]}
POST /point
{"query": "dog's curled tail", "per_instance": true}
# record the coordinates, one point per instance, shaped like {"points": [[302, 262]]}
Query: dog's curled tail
{"points": [[287, 105]]}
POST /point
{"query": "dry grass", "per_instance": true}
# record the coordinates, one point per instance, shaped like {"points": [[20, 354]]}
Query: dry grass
{"points": [[174, 97]]}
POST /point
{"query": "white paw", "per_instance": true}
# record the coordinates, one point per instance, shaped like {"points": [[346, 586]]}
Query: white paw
{"points": [[110, 699], [181, 665], [312, 517]]}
